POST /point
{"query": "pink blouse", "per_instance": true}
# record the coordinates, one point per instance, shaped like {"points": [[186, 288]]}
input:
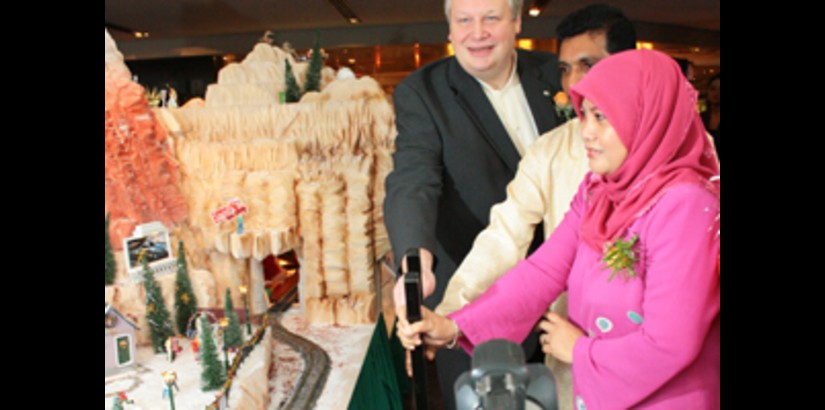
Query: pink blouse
{"points": [[652, 341]]}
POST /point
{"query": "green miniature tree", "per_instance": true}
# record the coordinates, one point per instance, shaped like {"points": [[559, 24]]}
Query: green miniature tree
{"points": [[110, 256], [185, 301], [234, 335], [293, 92], [313, 82], [160, 325], [213, 374]]}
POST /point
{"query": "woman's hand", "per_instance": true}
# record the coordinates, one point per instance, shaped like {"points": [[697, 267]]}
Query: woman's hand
{"points": [[435, 330], [559, 337]]}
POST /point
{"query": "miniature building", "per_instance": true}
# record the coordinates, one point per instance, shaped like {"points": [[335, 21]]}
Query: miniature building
{"points": [[120, 340]]}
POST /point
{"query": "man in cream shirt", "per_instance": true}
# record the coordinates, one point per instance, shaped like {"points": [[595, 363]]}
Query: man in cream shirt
{"points": [[547, 177]]}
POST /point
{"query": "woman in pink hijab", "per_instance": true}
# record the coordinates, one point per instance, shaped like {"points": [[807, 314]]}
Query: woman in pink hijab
{"points": [[636, 252]]}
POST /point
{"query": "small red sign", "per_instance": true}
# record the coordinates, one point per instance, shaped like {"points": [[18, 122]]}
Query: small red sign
{"points": [[229, 212]]}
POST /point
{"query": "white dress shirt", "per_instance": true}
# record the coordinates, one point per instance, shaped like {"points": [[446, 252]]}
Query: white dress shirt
{"points": [[513, 110]]}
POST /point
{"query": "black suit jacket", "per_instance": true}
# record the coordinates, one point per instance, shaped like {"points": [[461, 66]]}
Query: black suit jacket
{"points": [[454, 158]]}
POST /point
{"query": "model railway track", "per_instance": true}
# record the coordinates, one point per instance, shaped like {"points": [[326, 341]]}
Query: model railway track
{"points": [[288, 298], [316, 361]]}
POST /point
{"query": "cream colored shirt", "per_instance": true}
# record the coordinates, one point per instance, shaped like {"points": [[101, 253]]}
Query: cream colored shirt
{"points": [[547, 178], [513, 110]]}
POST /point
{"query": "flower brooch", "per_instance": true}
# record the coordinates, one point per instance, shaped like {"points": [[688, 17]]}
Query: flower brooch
{"points": [[620, 258], [564, 109]]}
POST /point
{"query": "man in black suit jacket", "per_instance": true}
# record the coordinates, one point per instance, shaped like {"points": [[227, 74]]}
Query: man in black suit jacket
{"points": [[454, 155]]}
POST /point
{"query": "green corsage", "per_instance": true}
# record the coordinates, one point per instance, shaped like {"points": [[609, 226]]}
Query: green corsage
{"points": [[621, 257]]}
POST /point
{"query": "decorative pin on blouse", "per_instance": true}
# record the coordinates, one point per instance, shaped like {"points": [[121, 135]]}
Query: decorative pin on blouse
{"points": [[621, 257]]}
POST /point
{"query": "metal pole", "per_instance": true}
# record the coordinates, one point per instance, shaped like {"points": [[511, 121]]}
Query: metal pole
{"points": [[225, 355], [246, 312], [171, 397]]}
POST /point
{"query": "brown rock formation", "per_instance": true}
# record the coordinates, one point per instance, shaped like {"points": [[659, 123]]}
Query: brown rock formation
{"points": [[141, 174]]}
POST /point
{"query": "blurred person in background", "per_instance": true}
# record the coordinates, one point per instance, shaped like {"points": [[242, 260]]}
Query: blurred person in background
{"points": [[713, 110]]}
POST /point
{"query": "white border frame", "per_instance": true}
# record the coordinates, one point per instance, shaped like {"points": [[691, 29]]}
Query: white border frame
{"points": [[151, 228]]}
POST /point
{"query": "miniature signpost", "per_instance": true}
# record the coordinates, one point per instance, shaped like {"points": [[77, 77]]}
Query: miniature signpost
{"points": [[235, 209]]}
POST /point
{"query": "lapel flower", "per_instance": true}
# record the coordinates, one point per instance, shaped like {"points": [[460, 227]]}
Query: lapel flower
{"points": [[564, 109], [620, 257]]}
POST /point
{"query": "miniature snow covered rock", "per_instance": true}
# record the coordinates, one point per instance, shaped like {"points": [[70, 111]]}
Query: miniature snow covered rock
{"points": [[141, 174], [312, 175]]}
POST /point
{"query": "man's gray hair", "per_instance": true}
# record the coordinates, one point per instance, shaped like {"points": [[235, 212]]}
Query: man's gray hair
{"points": [[515, 8]]}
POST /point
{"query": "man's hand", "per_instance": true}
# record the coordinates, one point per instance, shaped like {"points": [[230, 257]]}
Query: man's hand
{"points": [[427, 282], [400, 299], [433, 330]]}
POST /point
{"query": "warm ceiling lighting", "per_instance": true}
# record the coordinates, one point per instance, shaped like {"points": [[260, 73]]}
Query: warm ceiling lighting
{"points": [[351, 61], [534, 11], [354, 20], [644, 45], [377, 57], [525, 43], [139, 34]]}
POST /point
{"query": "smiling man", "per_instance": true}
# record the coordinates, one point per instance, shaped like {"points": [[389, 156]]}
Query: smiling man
{"points": [[547, 177], [464, 123]]}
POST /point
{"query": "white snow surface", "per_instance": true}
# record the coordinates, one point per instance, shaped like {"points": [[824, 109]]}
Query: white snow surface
{"points": [[346, 345], [144, 383]]}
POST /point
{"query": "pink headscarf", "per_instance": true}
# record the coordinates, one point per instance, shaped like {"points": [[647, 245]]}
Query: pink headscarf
{"points": [[652, 107]]}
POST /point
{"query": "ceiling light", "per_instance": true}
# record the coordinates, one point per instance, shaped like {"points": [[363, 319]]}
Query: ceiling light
{"points": [[345, 11], [525, 43], [644, 45], [351, 61], [534, 11], [122, 29]]}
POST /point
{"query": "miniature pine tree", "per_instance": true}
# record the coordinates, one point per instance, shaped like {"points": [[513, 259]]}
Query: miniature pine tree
{"points": [[313, 82], [293, 92], [110, 257], [160, 325], [185, 301], [234, 335], [213, 374]]}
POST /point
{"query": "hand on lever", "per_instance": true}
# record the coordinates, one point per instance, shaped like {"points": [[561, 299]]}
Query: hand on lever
{"points": [[427, 281], [433, 330]]}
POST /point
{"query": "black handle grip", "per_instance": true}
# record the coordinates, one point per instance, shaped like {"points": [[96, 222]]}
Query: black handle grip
{"points": [[414, 295]]}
